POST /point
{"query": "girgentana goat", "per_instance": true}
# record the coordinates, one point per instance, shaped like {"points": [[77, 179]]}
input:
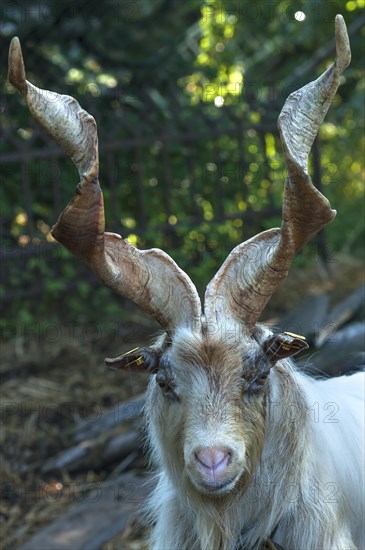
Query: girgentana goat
{"points": [[249, 452]]}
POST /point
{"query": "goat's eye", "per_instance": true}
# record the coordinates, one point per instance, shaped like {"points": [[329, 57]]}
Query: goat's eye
{"points": [[168, 389]]}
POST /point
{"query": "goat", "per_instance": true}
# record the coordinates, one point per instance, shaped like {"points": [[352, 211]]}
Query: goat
{"points": [[240, 459]]}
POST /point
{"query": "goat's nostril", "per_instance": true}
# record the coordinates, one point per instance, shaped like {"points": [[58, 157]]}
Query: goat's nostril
{"points": [[213, 458]]}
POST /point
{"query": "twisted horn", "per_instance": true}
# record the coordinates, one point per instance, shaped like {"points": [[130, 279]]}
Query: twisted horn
{"points": [[249, 276], [150, 278]]}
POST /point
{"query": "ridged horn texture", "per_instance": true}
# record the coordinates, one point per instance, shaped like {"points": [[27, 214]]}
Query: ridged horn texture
{"points": [[253, 270], [150, 278]]}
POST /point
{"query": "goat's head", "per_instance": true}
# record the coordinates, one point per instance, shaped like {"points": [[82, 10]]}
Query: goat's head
{"points": [[206, 401]]}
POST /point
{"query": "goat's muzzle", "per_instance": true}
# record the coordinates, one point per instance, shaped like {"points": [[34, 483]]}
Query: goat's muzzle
{"points": [[214, 469]]}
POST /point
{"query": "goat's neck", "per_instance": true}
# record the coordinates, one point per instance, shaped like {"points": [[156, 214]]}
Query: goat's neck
{"points": [[286, 463]]}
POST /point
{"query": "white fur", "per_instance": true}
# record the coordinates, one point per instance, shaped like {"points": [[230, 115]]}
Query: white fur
{"points": [[320, 503], [308, 486]]}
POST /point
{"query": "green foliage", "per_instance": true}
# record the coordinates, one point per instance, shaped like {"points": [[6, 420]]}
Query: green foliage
{"points": [[191, 90]]}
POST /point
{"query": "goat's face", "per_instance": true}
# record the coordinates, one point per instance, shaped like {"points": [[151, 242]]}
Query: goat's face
{"points": [[206, 402], [207, 414]]}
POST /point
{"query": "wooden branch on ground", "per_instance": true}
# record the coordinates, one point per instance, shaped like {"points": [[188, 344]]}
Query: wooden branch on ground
{"points": [[95, 520], [95, 453], [126, 411], [341, 313]]}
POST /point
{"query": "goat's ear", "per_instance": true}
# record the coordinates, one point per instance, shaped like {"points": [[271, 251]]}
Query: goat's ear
{"points": [[137, 359], [284, 345]]}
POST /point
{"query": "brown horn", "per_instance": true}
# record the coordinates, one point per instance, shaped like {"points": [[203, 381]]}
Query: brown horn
{"points": [[150, 278], [253, 270]]}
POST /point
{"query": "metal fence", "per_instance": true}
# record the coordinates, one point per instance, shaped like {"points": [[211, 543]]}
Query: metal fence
{"points": [[159, 167], [184, 143]]}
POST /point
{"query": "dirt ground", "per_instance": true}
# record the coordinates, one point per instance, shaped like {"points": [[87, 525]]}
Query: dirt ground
{"points": [[50, 386]]}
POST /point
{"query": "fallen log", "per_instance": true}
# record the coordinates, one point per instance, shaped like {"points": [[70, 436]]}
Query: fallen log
{"points": [[95, 453], [340, 314], [126, 411], [98, 518], [307, 319], [341, 354]]}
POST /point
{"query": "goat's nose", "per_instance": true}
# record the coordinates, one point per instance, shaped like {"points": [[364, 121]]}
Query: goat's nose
{"points": [[213, 461]]}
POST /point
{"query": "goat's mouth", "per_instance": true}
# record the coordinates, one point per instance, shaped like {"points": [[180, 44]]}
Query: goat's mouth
{"points": [[216, 488]]}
